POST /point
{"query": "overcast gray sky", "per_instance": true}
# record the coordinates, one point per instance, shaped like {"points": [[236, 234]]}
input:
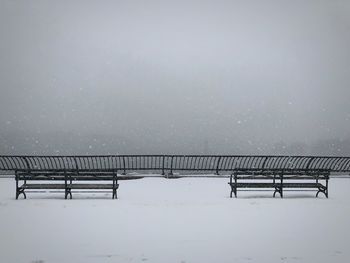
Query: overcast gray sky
{"points": [[176, 72]]}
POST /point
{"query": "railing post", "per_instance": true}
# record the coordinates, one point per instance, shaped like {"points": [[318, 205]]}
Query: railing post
{"points": [[17, 189], [27, 164], [230, 183], [124, 173], [163, 173], [263, 165], [236, 179], [115, 184], [217, 166], [282, 183], [171, 166], [309, 162], [65, 185], [76, 169], [28, 169], [327, 178]]}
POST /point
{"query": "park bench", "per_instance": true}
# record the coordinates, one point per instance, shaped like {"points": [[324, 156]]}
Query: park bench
{"points": [[66, 180], [280, 180]]}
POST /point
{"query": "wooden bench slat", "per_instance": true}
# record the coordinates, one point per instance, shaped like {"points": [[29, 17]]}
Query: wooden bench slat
{"points": [[35, 178], [43, 186], [92, 186], [256, 185], [71, 186], [303, 185]]}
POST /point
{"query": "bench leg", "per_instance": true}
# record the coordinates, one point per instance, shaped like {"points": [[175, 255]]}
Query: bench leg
{"points": [[233, 191], [114, 196], [324, 191], [278, 190], [20, 191], [68, 192], [274, 193], [233, 185], [17, 189]]}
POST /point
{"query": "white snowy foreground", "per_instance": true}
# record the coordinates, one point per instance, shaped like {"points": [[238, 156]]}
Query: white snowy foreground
{"points": [[179, 220]]}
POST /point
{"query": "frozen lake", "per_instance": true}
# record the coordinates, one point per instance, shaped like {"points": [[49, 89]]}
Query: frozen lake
{"points": [[180, 220]]}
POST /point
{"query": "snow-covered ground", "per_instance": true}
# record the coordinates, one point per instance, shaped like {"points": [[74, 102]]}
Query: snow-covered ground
{"points": [[178, 220]]}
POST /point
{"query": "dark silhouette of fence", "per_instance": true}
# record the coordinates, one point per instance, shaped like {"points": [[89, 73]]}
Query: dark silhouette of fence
{"points": [[167, 164]]}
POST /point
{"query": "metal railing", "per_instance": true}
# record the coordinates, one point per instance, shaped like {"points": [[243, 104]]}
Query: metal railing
{"points": [[167, 164]]}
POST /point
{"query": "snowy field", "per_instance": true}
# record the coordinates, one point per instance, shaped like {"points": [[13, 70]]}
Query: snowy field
{"points": [[179, 220]]}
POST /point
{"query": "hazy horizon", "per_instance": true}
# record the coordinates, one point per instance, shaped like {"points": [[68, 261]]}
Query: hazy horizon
{"points": [[174, 77]]}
